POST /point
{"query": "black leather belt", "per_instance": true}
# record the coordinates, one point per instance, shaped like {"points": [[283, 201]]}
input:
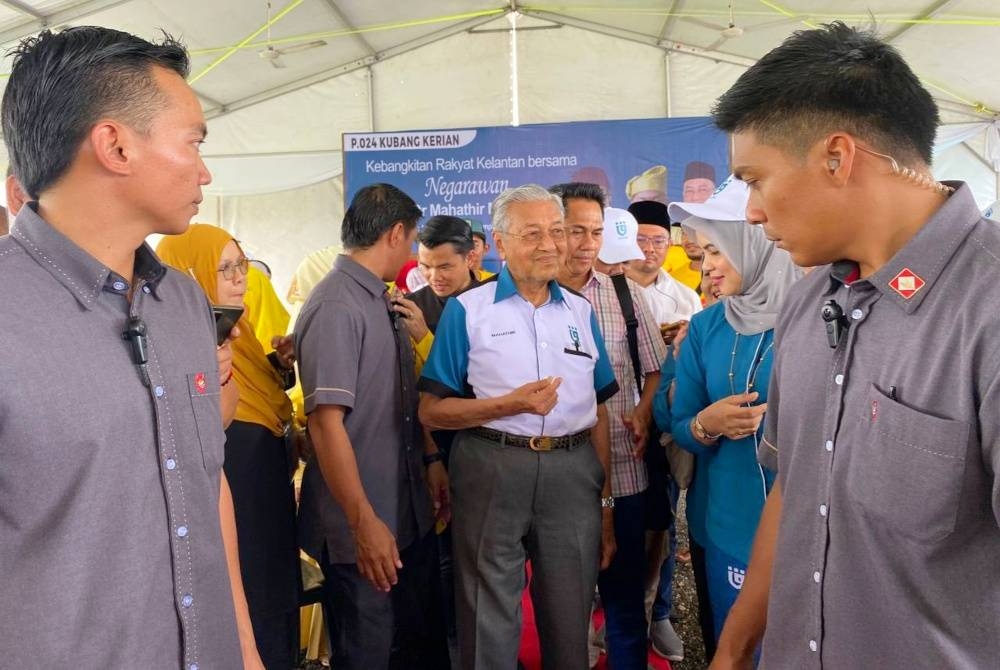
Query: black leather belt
{"points": [[537, 443]]}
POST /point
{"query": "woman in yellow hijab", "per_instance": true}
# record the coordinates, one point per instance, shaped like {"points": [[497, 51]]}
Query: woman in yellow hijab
{"points": [[256, 462]]}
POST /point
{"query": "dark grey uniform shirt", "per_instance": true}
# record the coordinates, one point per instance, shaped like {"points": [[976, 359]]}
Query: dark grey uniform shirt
{"points": [[111, 551], [351, 353], [888, 452]]}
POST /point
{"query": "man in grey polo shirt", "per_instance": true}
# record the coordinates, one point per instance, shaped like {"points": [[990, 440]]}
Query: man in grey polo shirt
{"points": [[111, 438], [878, 546], [519, 365], [365, 511]]}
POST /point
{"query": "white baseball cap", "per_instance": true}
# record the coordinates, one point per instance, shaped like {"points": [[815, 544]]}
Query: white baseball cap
{"points": [[728, 203], [620, 231]]}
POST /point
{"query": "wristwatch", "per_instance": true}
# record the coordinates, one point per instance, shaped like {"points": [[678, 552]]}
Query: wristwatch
{"points": [[701, 433], [608, 503]]}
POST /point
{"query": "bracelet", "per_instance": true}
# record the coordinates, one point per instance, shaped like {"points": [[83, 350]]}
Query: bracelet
{"points": [[700, 431], [608, 503], [436, 457], [228, 379]]}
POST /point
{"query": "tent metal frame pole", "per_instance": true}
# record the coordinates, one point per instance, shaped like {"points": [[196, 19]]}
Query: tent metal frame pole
{"points": [[345, 68], [928, 13], [668, 95], [371, 97], [65, 15], [668, 26], [22, 7], [639, 38], [338, 14]]}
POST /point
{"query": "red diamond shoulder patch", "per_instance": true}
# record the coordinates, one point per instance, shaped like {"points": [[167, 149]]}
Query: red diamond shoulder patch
{"points": [[906, 283]]}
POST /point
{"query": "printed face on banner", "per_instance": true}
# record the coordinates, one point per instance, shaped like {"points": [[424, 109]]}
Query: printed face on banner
{"points": [[461, 172]]}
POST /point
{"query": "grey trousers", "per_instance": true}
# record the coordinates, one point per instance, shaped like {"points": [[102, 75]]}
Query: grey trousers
{"points": [[510, 504]]}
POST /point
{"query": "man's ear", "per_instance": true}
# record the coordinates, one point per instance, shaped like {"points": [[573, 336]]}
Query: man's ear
{"points": [[112, 146], [498, 241], [837, 157]]}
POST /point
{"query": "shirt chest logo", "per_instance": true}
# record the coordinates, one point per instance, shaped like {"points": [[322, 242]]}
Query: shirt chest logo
{"points": [[502, 333], [574, 336], [906, 283], [200, 384]]}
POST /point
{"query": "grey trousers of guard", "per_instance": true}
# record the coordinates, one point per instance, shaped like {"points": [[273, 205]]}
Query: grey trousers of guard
{"points": [[510, 504]]}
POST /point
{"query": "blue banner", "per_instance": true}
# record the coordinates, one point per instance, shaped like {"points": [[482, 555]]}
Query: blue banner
{"points": [[460, 172]]}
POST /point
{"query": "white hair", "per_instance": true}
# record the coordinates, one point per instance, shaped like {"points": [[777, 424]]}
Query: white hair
{"points": [[526, 193]]}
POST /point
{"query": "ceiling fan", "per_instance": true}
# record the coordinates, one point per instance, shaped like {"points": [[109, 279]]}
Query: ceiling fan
{"points": [[732, 30], [273, 55]]}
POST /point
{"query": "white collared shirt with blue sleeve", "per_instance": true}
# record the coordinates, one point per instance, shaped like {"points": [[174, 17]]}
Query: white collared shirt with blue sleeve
{"points": [[490, 341]]}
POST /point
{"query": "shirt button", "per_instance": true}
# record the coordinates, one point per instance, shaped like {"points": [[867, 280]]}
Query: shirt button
{"points": [[187, 600], [158, 391], [812, 645], [145, 289], [182, 531], [816, 576], [822, 510], [119, 286], [193, 666], [839, 379], [544, 345], [171, 464], [407, 419], [829, 445], [857, 314]]}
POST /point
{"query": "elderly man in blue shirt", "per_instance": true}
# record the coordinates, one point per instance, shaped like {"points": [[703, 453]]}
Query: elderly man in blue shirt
{"points": [[529, 469]]}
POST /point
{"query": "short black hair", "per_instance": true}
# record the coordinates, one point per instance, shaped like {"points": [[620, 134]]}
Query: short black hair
{"points": [[442, 229], [374, 210], [62, 82], [580, 189], [833, 78]]}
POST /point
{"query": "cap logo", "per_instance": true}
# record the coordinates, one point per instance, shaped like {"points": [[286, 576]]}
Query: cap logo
{"points": [[906, 283], [721, 187], [621, 228]]}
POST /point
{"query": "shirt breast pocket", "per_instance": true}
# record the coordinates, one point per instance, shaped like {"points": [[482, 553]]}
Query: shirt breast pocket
{"points": [[907, 469], [207, 412]]}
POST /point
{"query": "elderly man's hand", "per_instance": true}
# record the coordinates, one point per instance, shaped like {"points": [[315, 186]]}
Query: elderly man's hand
{"points": [[537, 397]]}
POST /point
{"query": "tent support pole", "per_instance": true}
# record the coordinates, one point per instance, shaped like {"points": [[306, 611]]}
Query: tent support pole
{"points": [[668, 99], [371, 97]]}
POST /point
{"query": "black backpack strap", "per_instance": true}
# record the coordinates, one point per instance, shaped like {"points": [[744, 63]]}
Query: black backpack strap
{"points": [[631, 324]]}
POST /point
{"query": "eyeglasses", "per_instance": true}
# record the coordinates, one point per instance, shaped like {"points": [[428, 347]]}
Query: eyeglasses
{"points": [[229, 269], [557, 234], [658, 242]]}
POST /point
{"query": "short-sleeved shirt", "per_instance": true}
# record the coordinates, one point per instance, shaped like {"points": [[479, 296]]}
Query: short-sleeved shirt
{"points": [[628, 473], [352, 353], [671, 301], [490, 341], [888, 453], [109, 488]]}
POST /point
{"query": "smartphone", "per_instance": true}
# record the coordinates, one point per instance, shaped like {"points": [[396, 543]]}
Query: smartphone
{"points": [[225, 320]]}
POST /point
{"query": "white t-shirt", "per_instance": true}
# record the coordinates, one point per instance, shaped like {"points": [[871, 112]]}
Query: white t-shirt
{"points": [[671, 301]]}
